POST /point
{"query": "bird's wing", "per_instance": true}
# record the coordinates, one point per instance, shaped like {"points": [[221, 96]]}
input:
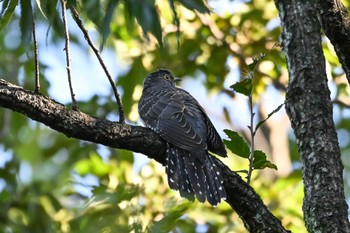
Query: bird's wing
{"points": [[213, 139], [179, 124]]}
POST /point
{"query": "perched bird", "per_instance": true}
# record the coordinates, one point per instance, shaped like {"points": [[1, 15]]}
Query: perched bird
{"points": [[177, 117]]}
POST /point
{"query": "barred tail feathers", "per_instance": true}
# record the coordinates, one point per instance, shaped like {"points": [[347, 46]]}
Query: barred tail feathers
{"points": [[215, 182], [194, 173], [177, 175]]}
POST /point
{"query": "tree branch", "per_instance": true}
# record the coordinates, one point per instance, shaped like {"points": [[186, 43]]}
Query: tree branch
{"points": [[242, 197], [336, 25], [67, 52], [36, 57], [80, 24]]}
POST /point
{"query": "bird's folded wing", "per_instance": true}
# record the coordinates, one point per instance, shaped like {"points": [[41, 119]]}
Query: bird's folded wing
{"points": [[170, 118]]}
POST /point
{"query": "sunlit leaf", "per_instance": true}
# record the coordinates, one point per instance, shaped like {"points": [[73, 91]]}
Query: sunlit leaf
{"points": [[94, 165], [237, 144], [260, 161], [7, 13], [244, 87], [83, 167], [98, 166]]}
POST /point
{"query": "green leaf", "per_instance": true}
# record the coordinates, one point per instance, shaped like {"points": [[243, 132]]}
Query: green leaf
{"points": [[26, 21], [268, 116], [105, 29], [260, 161], [237, 144], [42, 5], [147, 17], [48, 9], [198, 5], [168, 222], [38, 3], [93, 11], [7, 13], [5, 3], [244, 87]]}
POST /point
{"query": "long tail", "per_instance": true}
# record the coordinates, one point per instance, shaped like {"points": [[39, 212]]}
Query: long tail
{"points": [[194, 173]]}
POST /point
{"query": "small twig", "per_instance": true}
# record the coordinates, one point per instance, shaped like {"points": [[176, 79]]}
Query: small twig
{"points": [[251, 130], [36, 59], [98, 55], [341, 103], [74, 102]]}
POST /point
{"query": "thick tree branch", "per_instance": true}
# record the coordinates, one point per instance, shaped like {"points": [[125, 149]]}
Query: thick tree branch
{"points": [[336, 25], [249, 206], [309, 108]]}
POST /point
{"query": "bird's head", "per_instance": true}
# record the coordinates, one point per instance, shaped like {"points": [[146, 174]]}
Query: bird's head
{"points": [[161, 77]]}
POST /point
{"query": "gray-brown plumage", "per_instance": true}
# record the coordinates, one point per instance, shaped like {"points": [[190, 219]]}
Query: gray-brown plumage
{"points": [[179, 119]]}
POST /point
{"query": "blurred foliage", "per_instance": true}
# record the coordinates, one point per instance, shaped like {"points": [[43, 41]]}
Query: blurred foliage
{"points": [[49, 183]]}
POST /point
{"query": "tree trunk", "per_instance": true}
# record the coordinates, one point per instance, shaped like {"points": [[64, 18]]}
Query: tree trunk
{"points": [[309, 108]]}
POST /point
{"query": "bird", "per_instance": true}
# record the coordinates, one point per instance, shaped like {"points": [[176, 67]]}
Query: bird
{"points": [[177, 117]]}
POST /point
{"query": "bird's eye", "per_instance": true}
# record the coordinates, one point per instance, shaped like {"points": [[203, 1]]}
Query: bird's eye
{"points": [[167, 77]]}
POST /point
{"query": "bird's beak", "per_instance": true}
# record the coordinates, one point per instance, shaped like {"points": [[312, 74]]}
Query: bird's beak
{"points": [[176, 79]]}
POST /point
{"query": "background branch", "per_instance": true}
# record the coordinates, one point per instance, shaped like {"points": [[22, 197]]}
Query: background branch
{"points": [[64, 17], [242, 197], [336, 25], [77, 19]]}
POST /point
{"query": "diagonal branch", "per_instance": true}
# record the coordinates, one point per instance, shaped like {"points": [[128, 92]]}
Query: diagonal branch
{"points": [[77, 19], [241, 196], [336, 25]]}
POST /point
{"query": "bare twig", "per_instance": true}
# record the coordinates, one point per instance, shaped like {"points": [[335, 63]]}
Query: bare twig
{"points": [[74, 102], [341, 103], [98, 55], [36, 59]]}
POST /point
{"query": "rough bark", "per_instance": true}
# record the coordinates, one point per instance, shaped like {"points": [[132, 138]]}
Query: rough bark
{"points": [[309, 108], [336, 25], [75, 124]]}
